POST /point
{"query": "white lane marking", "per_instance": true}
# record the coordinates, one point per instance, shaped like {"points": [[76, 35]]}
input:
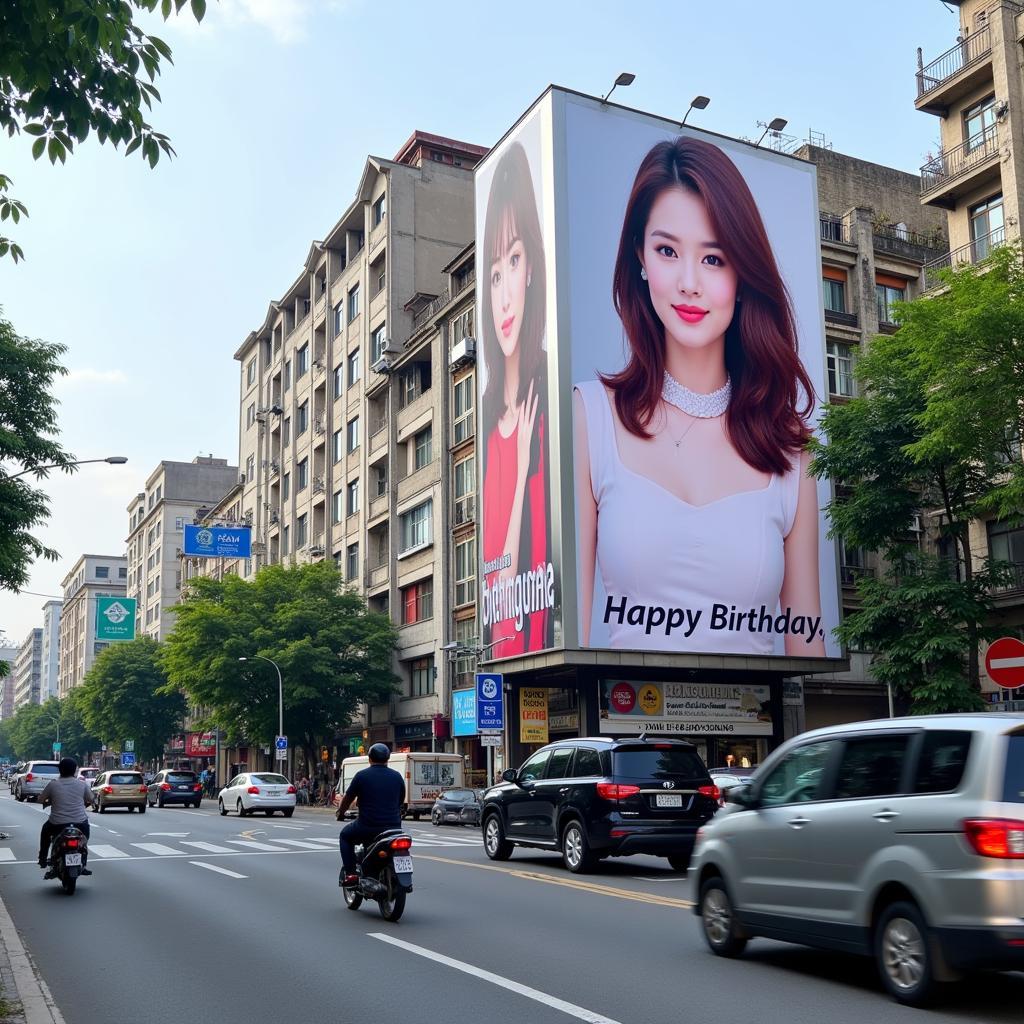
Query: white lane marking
{"points": [[209, 847], [329, 841], [644, 878], [7, 855], [250, 845], [304, 844], [176, 835], [579, 1012], [100, 850], [220, 871], [159, 849], [297, 828]]}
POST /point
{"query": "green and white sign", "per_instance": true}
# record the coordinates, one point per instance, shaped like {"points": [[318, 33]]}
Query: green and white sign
{"points": [[115, 618]]}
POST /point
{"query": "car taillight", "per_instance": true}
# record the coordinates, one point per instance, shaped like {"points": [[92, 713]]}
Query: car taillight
{"points": [[143, 789], [197, 788], [255, 790], [108, 789], [165, 785], [71, 842], [996, 837], [710, 791], [616, 790], [29, 777], [402, 843], [291, 789]]}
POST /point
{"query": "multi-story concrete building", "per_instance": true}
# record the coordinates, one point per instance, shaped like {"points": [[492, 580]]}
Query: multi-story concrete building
{"points": [[175, 492], [976, 89], [92, 576], [342, 405], [50, 662], [8, 654], [28, 670]]}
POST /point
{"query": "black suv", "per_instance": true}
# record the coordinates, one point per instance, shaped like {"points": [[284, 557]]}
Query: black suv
{"points": [[593, 798], [175, 786]]}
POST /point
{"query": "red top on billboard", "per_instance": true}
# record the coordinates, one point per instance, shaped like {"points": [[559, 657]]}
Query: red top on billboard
{"points": [[1004, 662], [200, 744]]}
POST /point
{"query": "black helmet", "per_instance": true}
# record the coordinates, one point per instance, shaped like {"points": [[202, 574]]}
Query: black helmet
{"points": [[67, 767], [379, 753]]}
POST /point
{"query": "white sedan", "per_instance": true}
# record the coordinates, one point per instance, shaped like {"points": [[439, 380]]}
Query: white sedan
{"points": [[257, 791]]}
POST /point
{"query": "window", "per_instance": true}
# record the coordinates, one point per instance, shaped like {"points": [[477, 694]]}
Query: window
{"points": [[871, 766], [840, 369], [339, 382], [339, 318], [336, 507], [465, 571], [352, 561], [464, 427], [980, 124], [421, 676], [587, 763], [353, 303], [797, 777], [418, 602], [987, 229], [286, 430], [302, 361], [465, 666], [302, 419], [122, 573], [533, 770], [465, 484], [336, 449], [943, 758], [250, 468], [381, 278], [102, 572], [558, 766], [380, 472], [1006, 542], [380, 209], [423, 447], [286, 482], [416, 527], [301, 475], [835, 295], [250, 419], [377, 342], [413, 381], [1013, 784], [354, 369], [352, 497], [284, 540], [885, 295], [352, 435], [462, 326], [301, 531], [250, 373], [287, 377]]}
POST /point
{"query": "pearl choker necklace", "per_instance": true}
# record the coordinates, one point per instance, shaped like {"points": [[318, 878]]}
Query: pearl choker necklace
{"points": [[693, 403]]}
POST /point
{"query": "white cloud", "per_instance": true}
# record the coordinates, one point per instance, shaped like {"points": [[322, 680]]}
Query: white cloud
{"points": [[86, 375]]}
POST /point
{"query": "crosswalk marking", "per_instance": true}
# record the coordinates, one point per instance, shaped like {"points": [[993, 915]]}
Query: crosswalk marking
{"points": [[6, 854], [100, 850], [250, 844], [220, 871], [158, 848], [325, 840], [303, 844], [208, 847]]}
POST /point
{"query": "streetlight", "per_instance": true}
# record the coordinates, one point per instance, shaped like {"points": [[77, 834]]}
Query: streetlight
{"points": [[697, 103], [55, 722], [280, 692], [625, 78], [776, 124], [114, 460]]}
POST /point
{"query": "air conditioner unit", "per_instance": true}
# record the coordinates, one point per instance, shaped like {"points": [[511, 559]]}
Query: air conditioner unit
{"points": [[274, 517], [241, 478], [463, 352], [317, 551], [382, 365]]}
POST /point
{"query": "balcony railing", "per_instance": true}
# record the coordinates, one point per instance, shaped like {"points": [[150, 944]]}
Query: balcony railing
{"points": [[897, 240], [849, 574], [832, 228], [975, 47], [835, 316], [976, 251], [958, 161], [1015, 583]]}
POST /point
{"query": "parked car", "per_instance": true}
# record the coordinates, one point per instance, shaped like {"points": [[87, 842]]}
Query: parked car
{"points": [[172, 786], [726, 779], [601, 797], [457, 807], [32, 779], [258, 791], [119, 789], [88, 773], [12, 779], [901, 839]]}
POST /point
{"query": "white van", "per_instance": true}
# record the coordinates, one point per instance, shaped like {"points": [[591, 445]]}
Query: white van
{"points": [[426, 774]]}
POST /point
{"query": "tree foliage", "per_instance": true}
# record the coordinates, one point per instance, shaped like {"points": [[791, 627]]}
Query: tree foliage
{"points": [[75, 67], [125, 696], [936, 431], [28, 421], [33, 730], [332, 651]]}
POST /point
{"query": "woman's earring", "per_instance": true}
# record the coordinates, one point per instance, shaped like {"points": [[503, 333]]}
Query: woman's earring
{"points": [[643, 273], [529, 278]]}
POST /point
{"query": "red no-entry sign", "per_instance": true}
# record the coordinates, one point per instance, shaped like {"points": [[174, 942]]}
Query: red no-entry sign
{"points": [[1004, 662]]}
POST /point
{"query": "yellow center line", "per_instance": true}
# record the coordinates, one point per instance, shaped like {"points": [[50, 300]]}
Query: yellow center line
{"points": [[570, 883]]}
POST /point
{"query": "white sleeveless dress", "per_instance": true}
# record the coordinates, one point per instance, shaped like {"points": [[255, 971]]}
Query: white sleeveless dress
{"points": [[656, 551]]}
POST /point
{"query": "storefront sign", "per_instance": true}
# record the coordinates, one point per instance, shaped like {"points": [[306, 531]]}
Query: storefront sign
{"points": [[175, 745], [567, 722], [464, 712], [793, 693], [533, 715], [686, 708], [200, 744], [413, 731]]}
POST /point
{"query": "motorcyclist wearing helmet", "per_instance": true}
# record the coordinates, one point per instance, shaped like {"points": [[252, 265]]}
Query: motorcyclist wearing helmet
{"points": [[380, 791], [68, 797]]}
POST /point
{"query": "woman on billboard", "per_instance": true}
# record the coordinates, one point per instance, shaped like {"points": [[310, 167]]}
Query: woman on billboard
{"points": [[693, 496], [518, 585]]}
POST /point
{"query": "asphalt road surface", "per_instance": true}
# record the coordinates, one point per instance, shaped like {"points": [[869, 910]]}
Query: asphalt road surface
{"points": [[189, 916]]}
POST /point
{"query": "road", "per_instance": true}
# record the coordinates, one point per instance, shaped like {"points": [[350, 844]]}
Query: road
{"points": [[189, 916]]}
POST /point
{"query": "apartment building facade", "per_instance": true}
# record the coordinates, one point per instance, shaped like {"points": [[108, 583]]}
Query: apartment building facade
{"points": [[976, 90], [50, 667], [91, 577], [342, 404], [157, 516], [8, 654], [28, 670]]}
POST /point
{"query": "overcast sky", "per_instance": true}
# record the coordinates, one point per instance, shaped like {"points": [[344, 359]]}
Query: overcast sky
{"points": [[153, 278]]}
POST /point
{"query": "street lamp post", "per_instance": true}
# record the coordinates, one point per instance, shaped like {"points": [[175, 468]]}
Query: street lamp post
{"points": [[280, 691], [114, 460]]}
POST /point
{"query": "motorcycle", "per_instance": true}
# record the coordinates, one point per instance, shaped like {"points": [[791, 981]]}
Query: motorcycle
{"points": [[384, 870], [67, 855]]}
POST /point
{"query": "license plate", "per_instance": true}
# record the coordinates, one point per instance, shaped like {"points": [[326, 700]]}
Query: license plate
{"points": [[403, 865], [184, 787], [73, 860], [273, 792], [668, 800]]}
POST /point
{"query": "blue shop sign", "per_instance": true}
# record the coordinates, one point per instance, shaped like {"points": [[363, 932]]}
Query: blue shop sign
{"points": [[463, 712], [218, 541]]}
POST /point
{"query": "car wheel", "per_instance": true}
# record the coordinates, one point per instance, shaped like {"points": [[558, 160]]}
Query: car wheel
{"points": [[904, 954], [415, 817], [197, 804], [142, 809], [242, 812], [160, 802], [721, 931], [221, 808], [678, 862], [19, 796], [289, 812], [576, 853], [435, 817], [496, 846]]}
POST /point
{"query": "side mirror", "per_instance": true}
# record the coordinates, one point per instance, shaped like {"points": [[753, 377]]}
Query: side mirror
{"points": [[741, 796], [510, 775]]}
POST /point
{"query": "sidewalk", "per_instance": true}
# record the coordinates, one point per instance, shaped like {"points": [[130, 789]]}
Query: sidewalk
{"points": [[25, 994]]}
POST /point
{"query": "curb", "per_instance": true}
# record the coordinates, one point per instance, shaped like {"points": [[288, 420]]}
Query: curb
{"points": [[37, 1004]]}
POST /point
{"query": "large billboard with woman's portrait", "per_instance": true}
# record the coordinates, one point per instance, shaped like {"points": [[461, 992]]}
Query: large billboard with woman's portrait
{"points": [[647, 441]]}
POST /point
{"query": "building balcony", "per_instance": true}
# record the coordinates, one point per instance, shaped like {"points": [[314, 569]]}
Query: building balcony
{"points": [[377, 576], [1014, 586], [378, 507], [964, 168], [832, 229], [960, 70], [897, 240], [974, 252], [379, 438], [843, 319]]}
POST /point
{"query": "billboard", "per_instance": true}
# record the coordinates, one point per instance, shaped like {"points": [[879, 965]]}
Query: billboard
{"points": [[218, 541], [464, 712], [200, 744], [115, 618]]}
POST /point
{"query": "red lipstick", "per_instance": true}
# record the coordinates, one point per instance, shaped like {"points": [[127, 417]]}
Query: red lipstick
{"points": [[506, 326], [690, 314]]}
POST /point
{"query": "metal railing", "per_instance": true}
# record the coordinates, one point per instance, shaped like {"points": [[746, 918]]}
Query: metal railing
{"points": [[975, 251], [966, 52], [1016, 581], [431, 308], [832, 228], [835, 316], [958, 161], [901, 242]]}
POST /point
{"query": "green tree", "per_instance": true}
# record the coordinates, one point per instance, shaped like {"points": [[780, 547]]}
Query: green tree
{"points": [[75, 67], [77, 740], [333, 653], [28, 421], [937, 431], [125, 696], [34, 729]]}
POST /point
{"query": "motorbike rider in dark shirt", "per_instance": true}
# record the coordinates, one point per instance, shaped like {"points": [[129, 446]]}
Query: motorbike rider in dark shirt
{"points": [[380, 791]]}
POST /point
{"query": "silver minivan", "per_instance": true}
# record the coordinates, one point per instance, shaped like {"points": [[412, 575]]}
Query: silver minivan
{"points": [[902, 839]]}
